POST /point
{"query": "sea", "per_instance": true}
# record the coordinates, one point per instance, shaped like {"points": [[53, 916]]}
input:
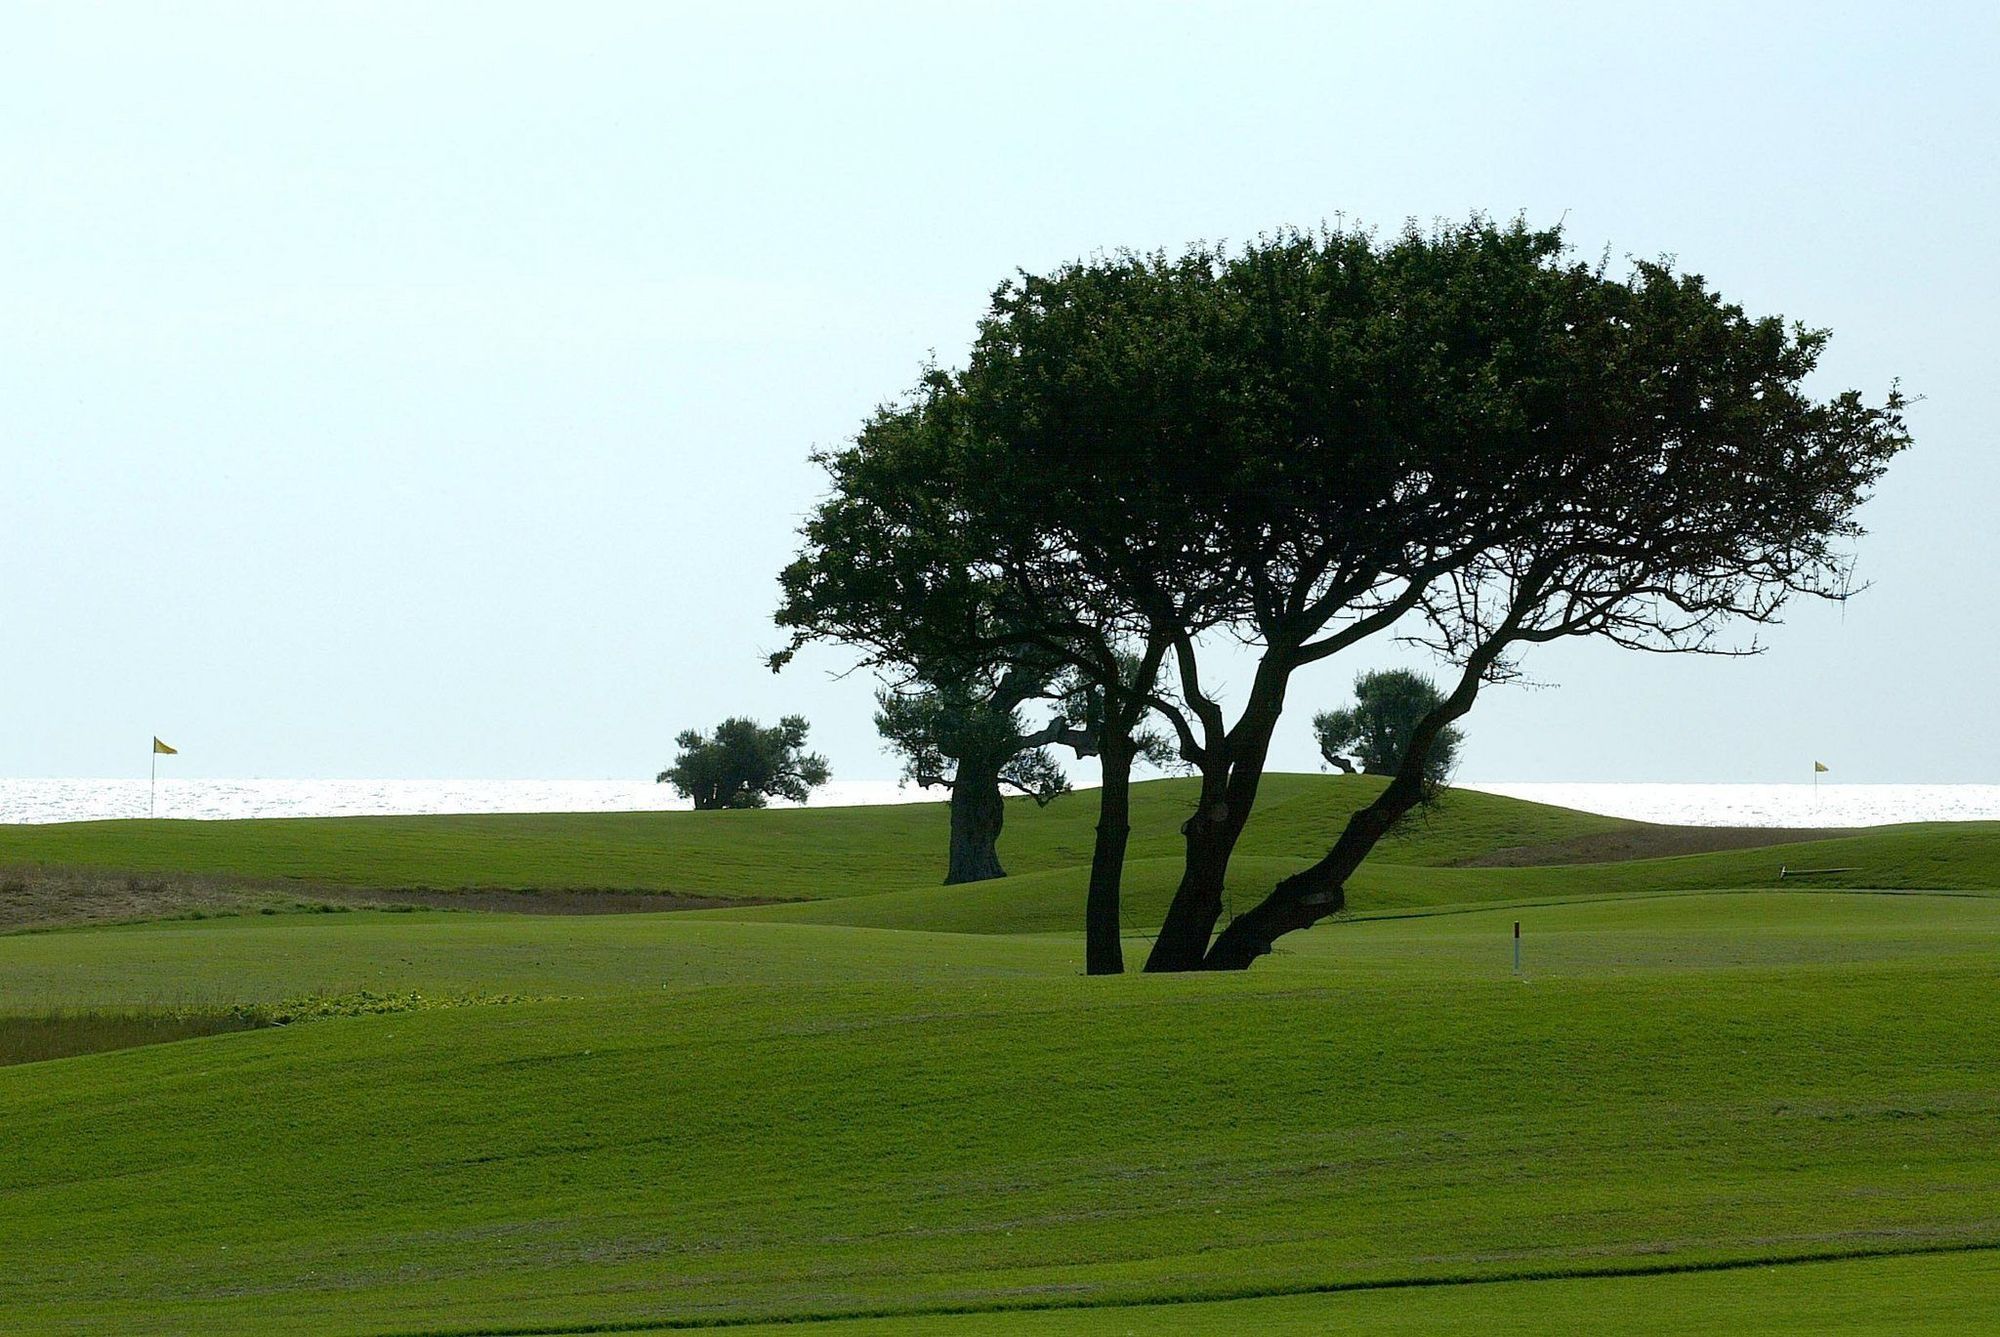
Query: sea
{"points": [[1780, 805]]}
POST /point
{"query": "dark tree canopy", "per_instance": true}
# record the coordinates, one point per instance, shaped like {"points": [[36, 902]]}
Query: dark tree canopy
{"points": [[1377, 729], [744, 765], [1286, 442], [1705, 489]]}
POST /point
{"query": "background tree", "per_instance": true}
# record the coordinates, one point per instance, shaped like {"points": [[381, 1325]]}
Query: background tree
{"points": [[970, 738], [743, 765], [1377, 729]]}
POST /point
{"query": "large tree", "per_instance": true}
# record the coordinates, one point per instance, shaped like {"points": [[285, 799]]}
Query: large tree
{"points": [[744, 765], [1337, 433], [1318, 437], [1291, 440]]}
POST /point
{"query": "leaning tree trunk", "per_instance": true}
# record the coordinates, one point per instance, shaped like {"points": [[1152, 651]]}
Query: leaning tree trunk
{"points": [[1228, 792], [1103, 952], [1306, 897], [1211, 837], [977, 813]]}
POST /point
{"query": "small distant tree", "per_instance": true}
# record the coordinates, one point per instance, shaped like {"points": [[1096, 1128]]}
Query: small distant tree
{"points": [[1376, 731], [744, 765]]}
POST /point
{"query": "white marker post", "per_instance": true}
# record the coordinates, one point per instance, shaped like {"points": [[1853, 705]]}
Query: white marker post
{"points": [[1517, 947]]}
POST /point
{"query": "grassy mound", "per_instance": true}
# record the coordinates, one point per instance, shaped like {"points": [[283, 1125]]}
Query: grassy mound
{"points": [[882, 863], [793, 853], [1934, 856]]}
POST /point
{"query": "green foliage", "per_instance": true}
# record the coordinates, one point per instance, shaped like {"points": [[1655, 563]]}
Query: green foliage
{"points": [[744, 765], [1378, 728], [939, 731], [1311, 438]]}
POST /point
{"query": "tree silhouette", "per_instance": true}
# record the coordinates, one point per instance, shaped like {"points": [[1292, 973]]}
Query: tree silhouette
{"points": [[743, 765]]}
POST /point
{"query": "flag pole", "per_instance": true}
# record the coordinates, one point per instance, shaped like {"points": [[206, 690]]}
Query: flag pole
{"points": [[152, 779]]}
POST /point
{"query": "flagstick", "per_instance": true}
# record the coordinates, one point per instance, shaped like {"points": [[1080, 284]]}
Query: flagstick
{"points": [[152, 780]]}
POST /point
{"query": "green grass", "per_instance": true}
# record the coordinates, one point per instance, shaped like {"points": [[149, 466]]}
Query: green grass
{"points": [[1889, 1297], [838, 1127], [217, 962], [1937, 856], [908, 1104]]}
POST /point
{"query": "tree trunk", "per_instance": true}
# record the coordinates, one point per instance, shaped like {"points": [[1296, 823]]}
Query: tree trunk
{"points": [[1306, 897], [977, 812], [1211, 838], [1228, 792], [1103, 952]]}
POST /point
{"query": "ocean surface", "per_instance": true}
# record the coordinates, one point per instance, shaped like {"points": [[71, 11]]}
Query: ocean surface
{"points": [[1681, 804], [91, 800]]}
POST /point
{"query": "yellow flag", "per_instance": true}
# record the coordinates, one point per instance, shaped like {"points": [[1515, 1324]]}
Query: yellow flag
{"points": [[166, 751], [1819, 768]]}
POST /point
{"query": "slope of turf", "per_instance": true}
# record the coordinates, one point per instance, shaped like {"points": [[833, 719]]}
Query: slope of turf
{"points": [[792, 853], [211, 963], [1869, 1297], [217, 963], [709, 1121], [1931, 856]]}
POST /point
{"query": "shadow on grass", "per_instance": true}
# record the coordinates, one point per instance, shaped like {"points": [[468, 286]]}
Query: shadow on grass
{"points": [[64, 1034], [39, 897]]}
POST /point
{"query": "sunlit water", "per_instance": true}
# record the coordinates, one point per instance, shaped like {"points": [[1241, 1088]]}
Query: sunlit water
{"points": [[1684, 804], [1768, 805], [91, 800]]}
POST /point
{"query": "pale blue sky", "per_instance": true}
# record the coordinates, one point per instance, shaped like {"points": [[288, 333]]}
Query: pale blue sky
{"points": [[425, 390]]}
